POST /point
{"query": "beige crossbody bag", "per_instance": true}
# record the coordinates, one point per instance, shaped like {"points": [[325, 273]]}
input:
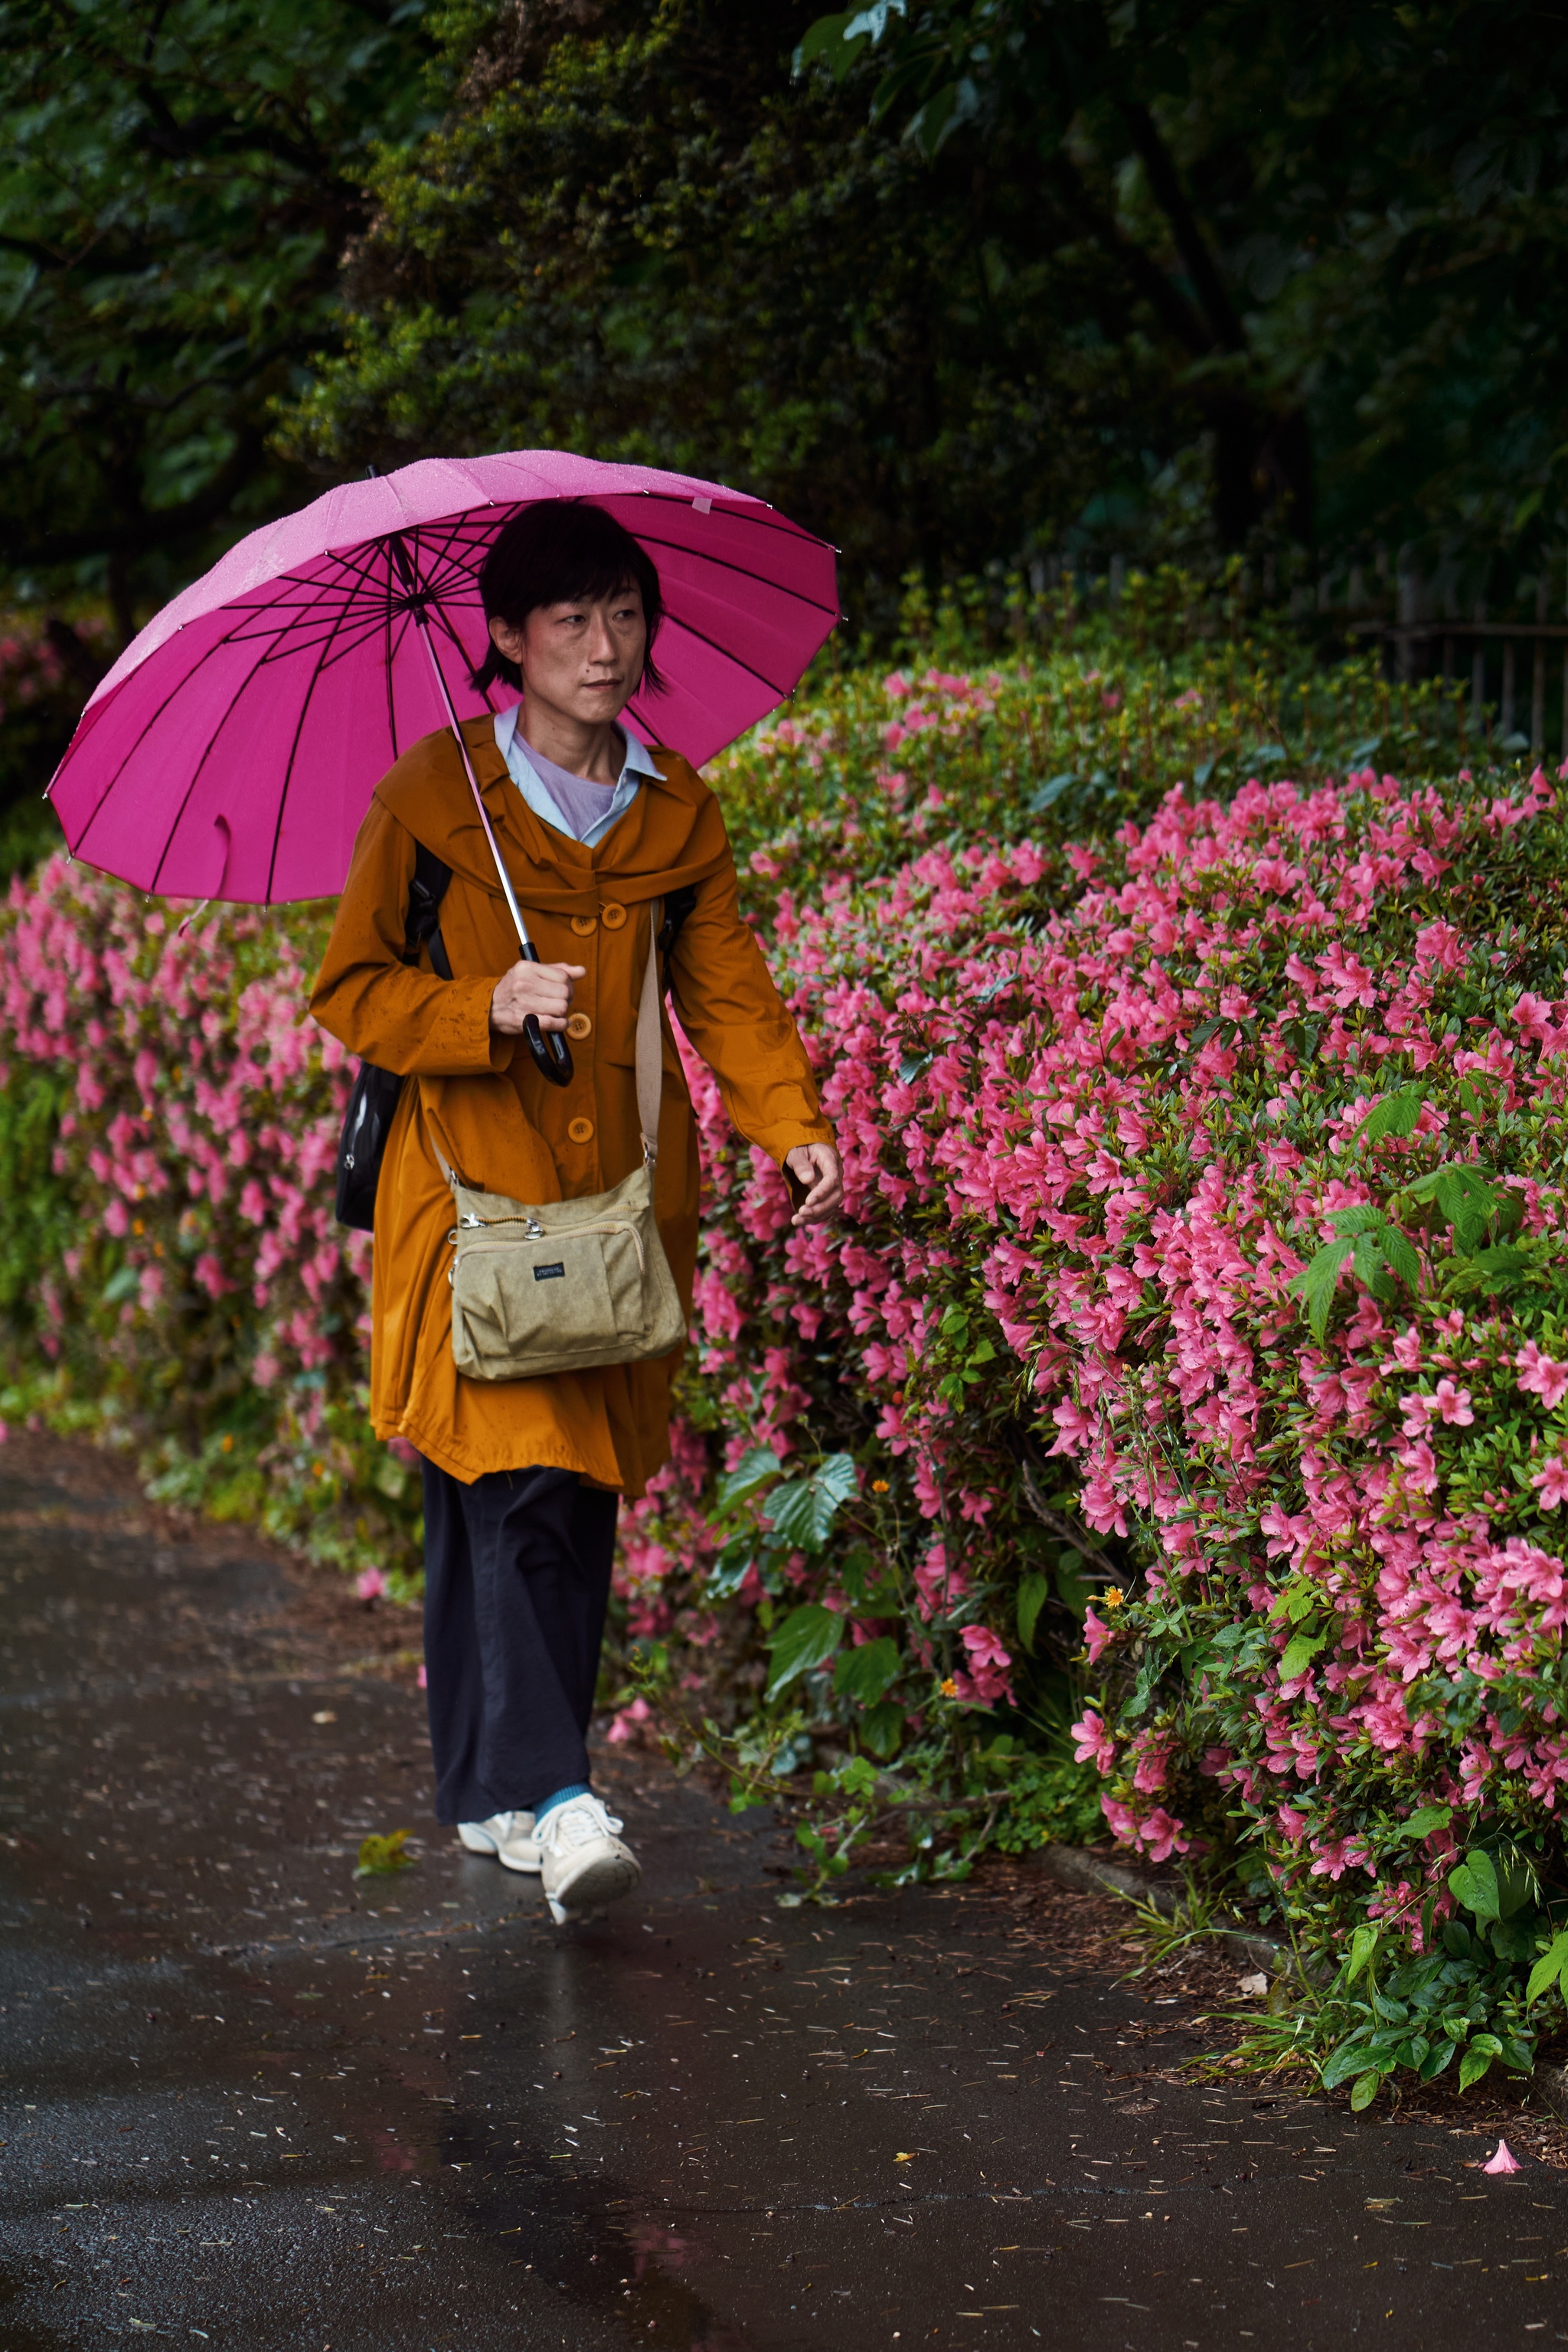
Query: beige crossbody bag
{"points": [[570, 1283]]}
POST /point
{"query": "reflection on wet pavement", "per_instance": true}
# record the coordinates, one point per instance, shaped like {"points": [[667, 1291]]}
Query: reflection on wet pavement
{"points": [[249, 2101]]}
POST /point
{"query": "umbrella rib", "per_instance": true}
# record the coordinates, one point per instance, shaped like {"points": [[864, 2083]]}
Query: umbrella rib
{"points": [[151, 721], [294, 747], [725, 652], [229, 710], [722, 563], [438, 612], [386, 661]]}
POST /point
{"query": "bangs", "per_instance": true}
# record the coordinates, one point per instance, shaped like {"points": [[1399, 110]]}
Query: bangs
{"points": [[564, 551]]}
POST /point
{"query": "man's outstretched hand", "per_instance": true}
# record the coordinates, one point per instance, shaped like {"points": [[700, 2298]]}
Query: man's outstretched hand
{"points": [[818, 1166]]}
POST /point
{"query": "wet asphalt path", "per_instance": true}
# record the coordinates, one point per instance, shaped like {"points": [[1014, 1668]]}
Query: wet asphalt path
{"points": [[248, 2102]]}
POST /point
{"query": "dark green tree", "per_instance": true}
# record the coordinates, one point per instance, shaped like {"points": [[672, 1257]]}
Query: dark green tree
{"points": [[1347, 222], [637, 235], [178, 182]]}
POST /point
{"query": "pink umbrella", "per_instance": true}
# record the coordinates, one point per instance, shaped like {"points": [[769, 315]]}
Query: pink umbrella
{"points": [[231, 750]]}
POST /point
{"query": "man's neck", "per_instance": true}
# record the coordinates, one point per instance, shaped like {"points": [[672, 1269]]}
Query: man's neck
{"points": [[596, 753]]}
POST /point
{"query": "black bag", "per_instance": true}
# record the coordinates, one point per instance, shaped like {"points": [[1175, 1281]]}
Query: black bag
{"points": [[368, 1119]]}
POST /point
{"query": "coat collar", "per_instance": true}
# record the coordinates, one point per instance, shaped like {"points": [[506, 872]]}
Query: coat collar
{"points": [[672, 834]]}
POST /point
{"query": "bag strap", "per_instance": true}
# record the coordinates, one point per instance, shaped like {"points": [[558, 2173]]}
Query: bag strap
{"points": [[649, 1053], [423, 923]]}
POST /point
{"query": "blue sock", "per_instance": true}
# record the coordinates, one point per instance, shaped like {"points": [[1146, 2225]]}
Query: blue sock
{"points": [[561, 1797]]}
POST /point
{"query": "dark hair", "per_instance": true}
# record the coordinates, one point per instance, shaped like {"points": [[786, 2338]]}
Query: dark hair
{"points": [[554, 552]]}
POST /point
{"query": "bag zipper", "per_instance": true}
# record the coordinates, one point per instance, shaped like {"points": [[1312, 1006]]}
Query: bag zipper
{"points": [[539, 1234]]}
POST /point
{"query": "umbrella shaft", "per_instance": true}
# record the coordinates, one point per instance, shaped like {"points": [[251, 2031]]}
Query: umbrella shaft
{"points": [[524, 942]]}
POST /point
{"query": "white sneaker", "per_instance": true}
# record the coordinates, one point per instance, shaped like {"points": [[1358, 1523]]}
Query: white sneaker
{"points": [[511, 1837], [585, 1866]]}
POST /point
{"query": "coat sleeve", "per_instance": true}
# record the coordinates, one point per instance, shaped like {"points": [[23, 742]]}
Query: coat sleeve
{"points": [[395, 1014], [733, 1014]]}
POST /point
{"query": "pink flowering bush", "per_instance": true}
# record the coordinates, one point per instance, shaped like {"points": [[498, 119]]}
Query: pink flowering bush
{"points": [[1207, 1241], [171, 1270]]}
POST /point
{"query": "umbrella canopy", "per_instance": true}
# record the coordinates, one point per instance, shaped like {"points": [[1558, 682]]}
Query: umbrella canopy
{"points": [[232, 750]]}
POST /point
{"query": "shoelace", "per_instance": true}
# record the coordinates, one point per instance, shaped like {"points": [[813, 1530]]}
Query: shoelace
{"points": [[579, 1820]]}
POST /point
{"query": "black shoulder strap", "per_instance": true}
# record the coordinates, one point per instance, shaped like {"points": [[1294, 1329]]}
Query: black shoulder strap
{"points": [[426, 893], [677, 907]]}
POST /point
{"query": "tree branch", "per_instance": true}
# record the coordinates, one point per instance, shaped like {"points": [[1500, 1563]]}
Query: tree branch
{"points": [[1165, 186], [1170, 304], [1059, 1526]]}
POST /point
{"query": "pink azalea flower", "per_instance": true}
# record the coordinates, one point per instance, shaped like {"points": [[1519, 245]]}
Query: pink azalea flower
{"points": [[370, 1584], [1453, 1403], [1540, 1375], [1504, 2160], [1551, 1481]]}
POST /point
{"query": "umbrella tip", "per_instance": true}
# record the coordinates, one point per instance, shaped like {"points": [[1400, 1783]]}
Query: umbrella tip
{"points": [[370, 474]]}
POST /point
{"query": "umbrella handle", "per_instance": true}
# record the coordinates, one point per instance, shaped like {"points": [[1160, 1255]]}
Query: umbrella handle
{"points": [[548, 1046], [552, 1054]]}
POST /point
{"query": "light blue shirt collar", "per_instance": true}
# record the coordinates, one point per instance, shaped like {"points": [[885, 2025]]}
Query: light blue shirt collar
{"points": [[638, 763]]}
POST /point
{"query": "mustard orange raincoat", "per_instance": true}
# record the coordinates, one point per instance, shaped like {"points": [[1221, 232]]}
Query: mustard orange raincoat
{"points": [[481, 1100]]}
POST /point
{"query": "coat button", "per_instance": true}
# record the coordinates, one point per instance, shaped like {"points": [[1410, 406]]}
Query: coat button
{"points": [[581, 1131], [612, 917], [584, 926], [579, 1026]]}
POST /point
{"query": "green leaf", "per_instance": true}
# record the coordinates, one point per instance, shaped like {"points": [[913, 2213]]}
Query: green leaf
{"points": [[1436, 2060], [1364, 2089], [1513, 1939], [825, 39], [1363, 1944], [1347, 2060], [1476, 2061], [1494, 1270], [807, 1637], [802, 1512], [864, 1673], [1045, 795], [730, 1569], [383, 1857], [1429, 1818], [121, 1286], [1394, 1114], [1298, 1654], [1399, 1251], [1465, 1200], [881, 1729], [1315, 1283], [1034, 1592], [1370, 1263], [752, 1471], [1363, 1217], [1474, 1883], [1548, 1968]]}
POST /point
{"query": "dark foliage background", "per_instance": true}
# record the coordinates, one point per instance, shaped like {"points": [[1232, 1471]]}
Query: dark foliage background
{"points": [[963, 284]]}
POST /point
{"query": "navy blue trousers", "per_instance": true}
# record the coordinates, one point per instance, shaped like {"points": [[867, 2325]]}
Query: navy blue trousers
{"points": [[517, 1579]]}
